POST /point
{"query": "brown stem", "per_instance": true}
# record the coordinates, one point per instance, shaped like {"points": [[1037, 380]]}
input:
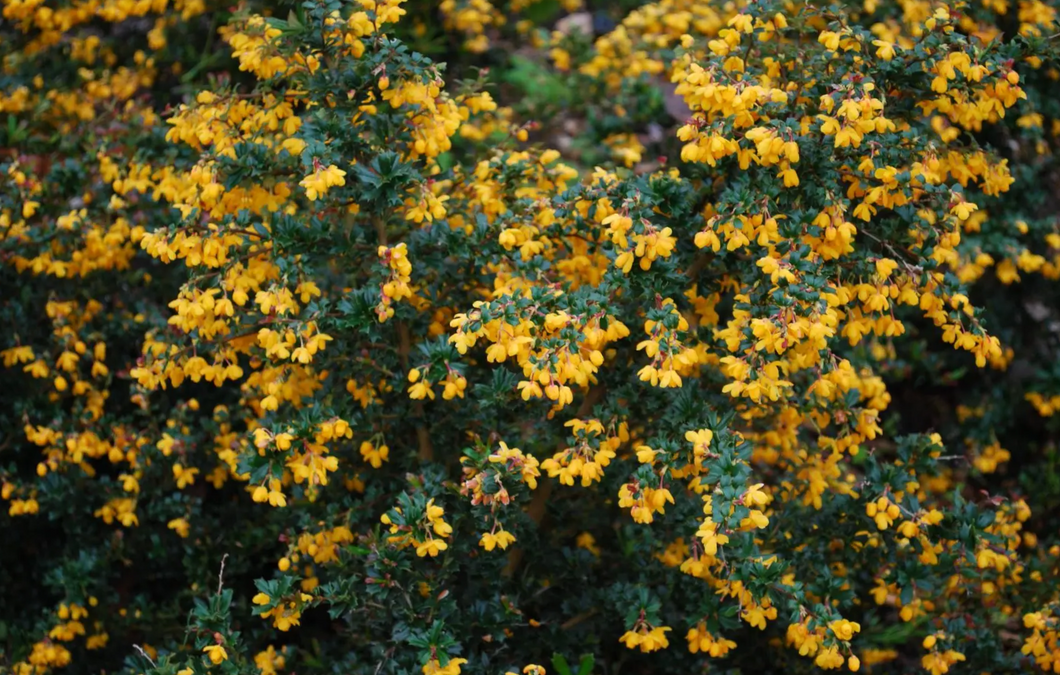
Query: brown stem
{"points": [[698, 264], [380, 230], [536, 508], [404, 349], [423, 438], [575, 620]]}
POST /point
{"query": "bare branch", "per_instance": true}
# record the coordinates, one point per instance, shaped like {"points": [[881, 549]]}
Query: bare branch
{"points": [[221, 574], [144, 654]]}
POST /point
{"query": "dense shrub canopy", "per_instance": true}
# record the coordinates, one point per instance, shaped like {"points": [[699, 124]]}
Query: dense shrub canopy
{"points": [[381, 337]]}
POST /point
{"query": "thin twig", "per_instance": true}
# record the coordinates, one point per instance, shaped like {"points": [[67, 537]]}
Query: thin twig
{"points": [[144, 654], [386, 657], [221, 574], [574, 621]]}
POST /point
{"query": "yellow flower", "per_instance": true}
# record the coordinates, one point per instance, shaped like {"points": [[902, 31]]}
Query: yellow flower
{"points": [[829, 39], [884, 49], [501, 538], [216, 653], [180, 526], [434, 667], [320, 181], [431, 547], [645, 638], [375, 455], [843, 629]]}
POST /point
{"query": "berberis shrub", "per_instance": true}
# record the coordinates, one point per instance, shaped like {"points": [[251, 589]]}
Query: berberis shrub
{"points": [[318, 359]]}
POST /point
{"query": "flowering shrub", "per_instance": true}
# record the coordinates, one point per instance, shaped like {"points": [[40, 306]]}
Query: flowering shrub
{"points": [[320, 360]]}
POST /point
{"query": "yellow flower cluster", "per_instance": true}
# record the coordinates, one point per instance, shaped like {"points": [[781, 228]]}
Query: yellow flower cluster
{"points": [[284, 612], [646, 637], [1043, 644], [783, 280], [427, 536], [51, 652], [592, 448]]}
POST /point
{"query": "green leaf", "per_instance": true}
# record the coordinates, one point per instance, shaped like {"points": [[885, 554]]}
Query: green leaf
{"points": [[561, 665], [585, 666]]}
